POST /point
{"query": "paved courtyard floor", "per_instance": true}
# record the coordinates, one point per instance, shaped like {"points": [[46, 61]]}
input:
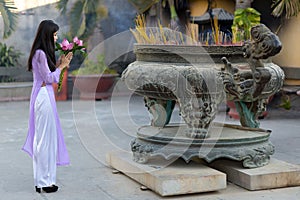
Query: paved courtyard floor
{"points": [[94, 128]]}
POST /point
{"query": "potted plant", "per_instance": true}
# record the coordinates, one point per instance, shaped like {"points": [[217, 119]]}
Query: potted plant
{"points": [[11, 74], [243, 20], [94, 80]]}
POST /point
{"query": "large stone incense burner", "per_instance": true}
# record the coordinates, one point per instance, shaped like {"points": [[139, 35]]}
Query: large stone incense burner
{"points": [[198, 79]]}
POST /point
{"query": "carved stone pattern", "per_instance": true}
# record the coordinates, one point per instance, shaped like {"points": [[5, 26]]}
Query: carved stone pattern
{"points": [[198, 91], [259, 156], [141, 153], [147, 80], [252, 156], [264, 43]]}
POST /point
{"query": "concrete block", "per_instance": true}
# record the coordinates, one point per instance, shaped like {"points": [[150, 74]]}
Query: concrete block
{"points": [[169, 178], [276, 174]]}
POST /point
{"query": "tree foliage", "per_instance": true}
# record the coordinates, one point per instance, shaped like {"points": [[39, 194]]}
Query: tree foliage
{"points": [[84, 16], [9, 17], [289, 8]]}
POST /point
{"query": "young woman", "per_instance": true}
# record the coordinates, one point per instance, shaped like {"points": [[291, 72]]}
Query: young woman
{"points": [[45, 142]]}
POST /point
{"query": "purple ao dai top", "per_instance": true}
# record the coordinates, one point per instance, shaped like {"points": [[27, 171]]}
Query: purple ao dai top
{"points": [[42, 73]]}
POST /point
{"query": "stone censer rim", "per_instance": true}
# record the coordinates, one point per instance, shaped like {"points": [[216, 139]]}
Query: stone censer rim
{"points": [[187, 53]]}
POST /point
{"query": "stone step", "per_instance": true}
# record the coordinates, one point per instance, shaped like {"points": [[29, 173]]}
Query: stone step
{"points": [[169, 178], [276, 174]]}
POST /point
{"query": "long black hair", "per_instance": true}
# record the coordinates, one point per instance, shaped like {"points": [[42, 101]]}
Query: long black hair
{"points": [[44, 40]]}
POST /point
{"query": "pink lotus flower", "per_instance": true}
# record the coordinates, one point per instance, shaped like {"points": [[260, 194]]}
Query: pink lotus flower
{"points": [[77, 41], [65, 45], [70, 47]]}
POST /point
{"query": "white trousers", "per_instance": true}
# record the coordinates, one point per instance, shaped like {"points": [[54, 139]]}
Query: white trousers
{"points": [[45, 141]]}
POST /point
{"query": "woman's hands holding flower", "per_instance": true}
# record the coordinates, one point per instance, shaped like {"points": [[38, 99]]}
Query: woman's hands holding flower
{"points": [[65, 60], [66, 50]]}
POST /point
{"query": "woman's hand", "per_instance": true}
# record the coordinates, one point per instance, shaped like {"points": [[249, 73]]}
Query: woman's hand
{"points": [[65, 60]]}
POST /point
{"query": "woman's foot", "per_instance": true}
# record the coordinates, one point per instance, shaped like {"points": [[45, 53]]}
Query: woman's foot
{"points": [[48, 189]]}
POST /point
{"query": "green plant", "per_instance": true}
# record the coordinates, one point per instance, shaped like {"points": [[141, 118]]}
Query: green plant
{"points": [[285, 101], [243, 20], [9, 56], [90, 67]]}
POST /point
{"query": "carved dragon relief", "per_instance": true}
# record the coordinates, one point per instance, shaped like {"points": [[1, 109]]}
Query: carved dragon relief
{"points": [[249, 86]]}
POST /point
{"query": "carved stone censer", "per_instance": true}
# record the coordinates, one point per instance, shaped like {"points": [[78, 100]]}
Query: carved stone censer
{"points": [[198, 79]]}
